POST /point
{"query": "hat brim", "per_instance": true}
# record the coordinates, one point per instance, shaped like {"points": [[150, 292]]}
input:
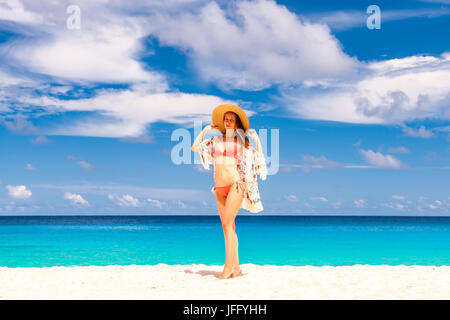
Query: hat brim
{"points": [[219, 112]]}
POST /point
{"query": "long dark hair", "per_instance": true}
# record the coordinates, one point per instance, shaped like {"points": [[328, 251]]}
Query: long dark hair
{"points": [[239, 126]]}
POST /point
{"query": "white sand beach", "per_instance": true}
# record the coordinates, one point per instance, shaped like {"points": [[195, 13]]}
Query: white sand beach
{"points": [[200, 282]]}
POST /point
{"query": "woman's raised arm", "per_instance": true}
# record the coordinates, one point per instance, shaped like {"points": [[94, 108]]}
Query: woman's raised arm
{"points": [[254, 136], [200, 137]]}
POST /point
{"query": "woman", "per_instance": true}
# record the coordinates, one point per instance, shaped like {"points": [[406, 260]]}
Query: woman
{"points": [[236, 164]]}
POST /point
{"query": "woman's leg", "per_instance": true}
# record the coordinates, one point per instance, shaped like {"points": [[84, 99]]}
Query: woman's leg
{"points": [[232, 205], [221, 200]]}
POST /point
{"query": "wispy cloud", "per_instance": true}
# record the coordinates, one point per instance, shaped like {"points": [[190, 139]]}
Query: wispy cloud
{"points": [[125, 200], [344, 20], [156, 203], [81, 163], [311, 162], [29, 167], [360, 203], [291, 198], [40, 140], [14, 10], [322, 199], [379, 160], [75, 199], [92, 188], [394, 206], [400, 149], [422, 132]]}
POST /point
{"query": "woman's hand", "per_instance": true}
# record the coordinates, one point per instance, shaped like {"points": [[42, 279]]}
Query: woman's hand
{"points": [[202, 134], [211, 127]]}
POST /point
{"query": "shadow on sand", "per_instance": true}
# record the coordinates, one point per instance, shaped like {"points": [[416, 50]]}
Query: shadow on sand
{"points": [[208, 273]]}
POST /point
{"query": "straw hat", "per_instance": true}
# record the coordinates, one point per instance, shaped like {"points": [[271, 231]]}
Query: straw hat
{"points": [[219, 112]]}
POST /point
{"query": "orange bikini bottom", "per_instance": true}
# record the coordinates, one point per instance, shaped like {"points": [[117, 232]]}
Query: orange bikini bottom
{"points": [[225, 190]]}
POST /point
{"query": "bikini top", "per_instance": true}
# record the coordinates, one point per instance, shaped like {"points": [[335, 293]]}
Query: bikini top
{"points": [[218, 152]]}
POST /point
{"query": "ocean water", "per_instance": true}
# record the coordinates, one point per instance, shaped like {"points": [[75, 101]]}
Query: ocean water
{"points": [[276, 240]]}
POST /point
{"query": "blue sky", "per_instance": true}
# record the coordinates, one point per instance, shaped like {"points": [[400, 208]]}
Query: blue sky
{"points": [[87, 114]]}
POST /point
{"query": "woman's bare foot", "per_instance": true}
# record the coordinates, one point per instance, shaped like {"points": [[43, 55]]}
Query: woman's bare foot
{"points": [[237, 271], [226, 274]]}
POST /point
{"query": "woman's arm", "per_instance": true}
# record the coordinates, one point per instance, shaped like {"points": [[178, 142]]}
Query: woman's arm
{"points": [[200, 137], [259, 160], [254, 136]]}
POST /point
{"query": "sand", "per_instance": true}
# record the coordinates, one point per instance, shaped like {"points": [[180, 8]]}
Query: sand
{"points": [[199, 282]]}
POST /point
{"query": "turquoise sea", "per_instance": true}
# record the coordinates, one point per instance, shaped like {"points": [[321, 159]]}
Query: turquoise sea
{"points": [[277, 240]]}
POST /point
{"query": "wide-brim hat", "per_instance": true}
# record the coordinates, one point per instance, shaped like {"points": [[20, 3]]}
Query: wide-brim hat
{"points": [[219, 112]]}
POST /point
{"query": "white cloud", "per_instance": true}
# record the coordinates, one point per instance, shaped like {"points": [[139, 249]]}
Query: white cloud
{"points": [[442, 129], [105, 49], [75, 199], [86, 165], [19, 192], [388, 92], [323, 199], [420, 133], [13, 10], [291, 198], [311, 162], [18, 124], [435, 204], [40, 140], [127, 113], [253, 45], [395, 206], [114, 188], [181, 204], [400, 149], [104, 55], [357, 143], [396, 197], [11, 79], [124, 201], [156, 203], [377, 159], [342, 20], [247, 45], [81, 163], [29, 167], [360, 203]]}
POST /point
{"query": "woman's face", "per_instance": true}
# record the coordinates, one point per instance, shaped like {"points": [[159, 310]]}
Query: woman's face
{"points": [[229, 121]]}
